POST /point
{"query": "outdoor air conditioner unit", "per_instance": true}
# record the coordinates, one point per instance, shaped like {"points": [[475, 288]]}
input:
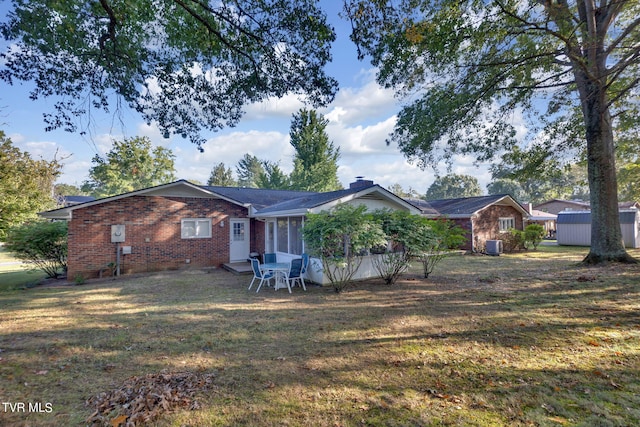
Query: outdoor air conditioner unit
{"points": [[494, 247]]}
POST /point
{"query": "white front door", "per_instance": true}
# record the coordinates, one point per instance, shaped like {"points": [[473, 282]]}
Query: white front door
{"points": [[239, 247]]}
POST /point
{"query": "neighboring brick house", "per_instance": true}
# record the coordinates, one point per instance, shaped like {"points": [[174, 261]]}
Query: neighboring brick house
{"points": [[180, 225], [484, 217], [556, 206]]}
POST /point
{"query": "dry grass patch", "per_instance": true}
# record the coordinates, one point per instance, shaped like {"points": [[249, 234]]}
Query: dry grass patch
{"points": [[525, 339]]}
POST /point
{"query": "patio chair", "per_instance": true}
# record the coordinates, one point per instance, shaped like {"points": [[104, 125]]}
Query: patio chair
{"points": [[305, 264], [258, 274], [270, 258], [295, 273]]}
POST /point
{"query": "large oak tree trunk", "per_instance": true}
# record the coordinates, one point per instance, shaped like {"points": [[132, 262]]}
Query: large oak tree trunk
{"points": [[606, 235], [589, 62]]}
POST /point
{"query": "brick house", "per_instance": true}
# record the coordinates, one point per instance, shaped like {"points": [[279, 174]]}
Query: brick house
{"points": [[182, 225], [484, 217], [556, 206]]}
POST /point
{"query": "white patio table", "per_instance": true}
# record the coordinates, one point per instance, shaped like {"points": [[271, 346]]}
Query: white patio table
{"points": [[280, 271]]}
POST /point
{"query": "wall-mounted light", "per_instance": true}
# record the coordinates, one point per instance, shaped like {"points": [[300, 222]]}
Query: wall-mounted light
{"points": [[221, 224]]}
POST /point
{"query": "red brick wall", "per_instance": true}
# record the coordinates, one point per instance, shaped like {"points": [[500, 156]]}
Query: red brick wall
{"points": [[257, 236], [486, 225], [465, 223], [152, 229]]}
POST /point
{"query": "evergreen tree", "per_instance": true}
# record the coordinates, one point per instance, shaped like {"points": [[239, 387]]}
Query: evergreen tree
{"points": [[315, 165], [222, 176], [249, 168], [272, 177]]}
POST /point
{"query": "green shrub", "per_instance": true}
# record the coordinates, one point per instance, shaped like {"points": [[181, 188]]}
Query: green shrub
{"points": [[448, 236], [408, 236], [43, 244], [513, 240], [533, 234], [339, 238]]}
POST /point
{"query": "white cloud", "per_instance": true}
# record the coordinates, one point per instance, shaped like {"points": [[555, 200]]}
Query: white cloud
{"points": [[386, 171], [229, 149], [362, 140], [273, 108], [357, 105]]}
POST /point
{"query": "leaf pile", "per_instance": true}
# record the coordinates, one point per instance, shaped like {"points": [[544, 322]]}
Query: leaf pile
{"points": [[141, 400]]}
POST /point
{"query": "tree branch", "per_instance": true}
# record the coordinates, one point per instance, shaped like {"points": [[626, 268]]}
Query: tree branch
{"points": [[111, 28], [219, 35]]}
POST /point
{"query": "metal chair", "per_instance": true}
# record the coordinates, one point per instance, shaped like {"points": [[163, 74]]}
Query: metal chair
{"points": [[258, 274], [295, 273], [269, 258], [305, 264]]}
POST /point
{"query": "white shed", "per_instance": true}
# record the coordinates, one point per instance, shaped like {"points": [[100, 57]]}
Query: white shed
{"points": [[574, 228]]}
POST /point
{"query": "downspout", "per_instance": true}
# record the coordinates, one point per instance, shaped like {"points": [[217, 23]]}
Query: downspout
{"points": [[473, 234]]}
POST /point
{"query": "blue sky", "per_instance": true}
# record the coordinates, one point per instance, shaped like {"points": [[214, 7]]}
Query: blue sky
{"points": [[360, 118]]}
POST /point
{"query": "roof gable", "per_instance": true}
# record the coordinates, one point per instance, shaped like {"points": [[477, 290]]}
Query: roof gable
{"points": [[180, 188]]}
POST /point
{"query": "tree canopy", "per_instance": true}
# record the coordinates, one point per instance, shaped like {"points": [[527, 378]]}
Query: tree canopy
{"points": [[272, 177], [185, 64], [453, 186], [130, 165], [508, 186], [222, 176], [569, 68], [249, 169], [26, 185], [315, 165], [629, 167], [549, 180], [41, 243]]}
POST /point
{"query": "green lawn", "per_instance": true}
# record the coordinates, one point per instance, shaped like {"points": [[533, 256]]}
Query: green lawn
{"points": [[13, 275], [531, 339]]}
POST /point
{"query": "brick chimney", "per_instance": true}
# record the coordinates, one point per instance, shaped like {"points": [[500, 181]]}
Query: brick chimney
{"points": [[360, 183]]}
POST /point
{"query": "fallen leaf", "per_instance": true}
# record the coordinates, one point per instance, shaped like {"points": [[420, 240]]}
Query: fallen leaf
{"points": [[120, 419], [601, 374], [141, 400]]}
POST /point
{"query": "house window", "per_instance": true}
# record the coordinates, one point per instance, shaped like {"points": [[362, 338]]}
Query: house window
{"points": [[283, 235], [198, 228], [506, 223], [295, 235], [288, 235], [238, 232]]}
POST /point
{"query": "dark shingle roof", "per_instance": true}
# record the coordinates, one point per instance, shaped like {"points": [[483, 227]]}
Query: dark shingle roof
{"points": [[74, 200], [460, 206], [258, 197], [312, 200]]}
